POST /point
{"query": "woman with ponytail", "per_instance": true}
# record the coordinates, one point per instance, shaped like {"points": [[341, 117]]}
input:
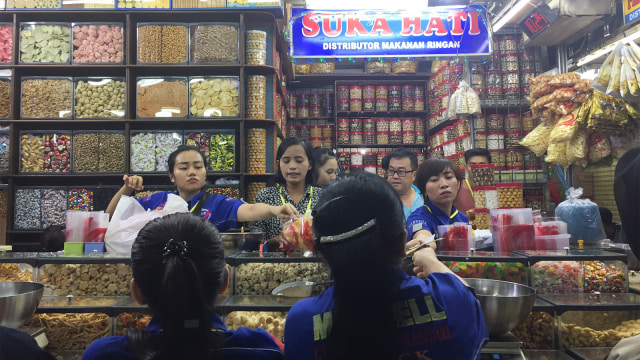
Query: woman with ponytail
{"points": [[374, 310], [178, 271]]}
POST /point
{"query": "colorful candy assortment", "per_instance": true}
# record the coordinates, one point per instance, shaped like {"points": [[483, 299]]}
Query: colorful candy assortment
{"points": [[558, 277], [231, 192], [6, 43], [80, 199], [600, 277], [508, 271]]}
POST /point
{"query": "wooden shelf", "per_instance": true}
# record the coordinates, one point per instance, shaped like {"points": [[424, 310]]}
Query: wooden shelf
{"points": [[245, 18]]}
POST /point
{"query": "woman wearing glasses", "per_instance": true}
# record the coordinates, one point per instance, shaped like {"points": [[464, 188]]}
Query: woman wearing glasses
{"points": [[400, 169], [439, 180]]}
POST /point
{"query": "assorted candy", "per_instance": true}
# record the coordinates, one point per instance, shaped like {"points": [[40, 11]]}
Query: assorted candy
{"points": [[80, 199], [231, 192], [600, 277], [508, 271], [558, 277]]}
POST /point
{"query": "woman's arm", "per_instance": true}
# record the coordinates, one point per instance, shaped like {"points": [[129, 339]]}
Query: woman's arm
{"points": [[426, 262], [131, 183], [253, 212]]}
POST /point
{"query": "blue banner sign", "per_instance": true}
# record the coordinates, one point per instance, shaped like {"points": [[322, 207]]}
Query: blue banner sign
{"points": [[442, 31]]}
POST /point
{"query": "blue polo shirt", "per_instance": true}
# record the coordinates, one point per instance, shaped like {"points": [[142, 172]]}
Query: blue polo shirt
{"points": [[418, 201], [428, 218], [438, 318], [259, 340], [220, 210]]}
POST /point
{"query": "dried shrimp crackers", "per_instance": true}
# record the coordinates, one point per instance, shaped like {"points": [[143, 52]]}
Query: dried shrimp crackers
{"points": [[214, 97]]}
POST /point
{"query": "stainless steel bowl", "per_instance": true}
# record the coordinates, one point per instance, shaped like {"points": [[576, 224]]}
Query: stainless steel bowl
{"points": [[18, 301], [504, 304]]}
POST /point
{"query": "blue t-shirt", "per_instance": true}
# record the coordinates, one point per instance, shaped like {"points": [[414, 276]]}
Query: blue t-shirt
{"points": [[428, 218], [258, 343], [418, 201], [439, 318], [220, 210]]}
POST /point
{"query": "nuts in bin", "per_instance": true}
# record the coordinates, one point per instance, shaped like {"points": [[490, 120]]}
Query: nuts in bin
{"points": [[273, 322]]}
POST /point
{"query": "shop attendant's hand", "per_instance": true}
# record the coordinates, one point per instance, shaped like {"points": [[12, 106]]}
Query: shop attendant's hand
{"points": [[286, 212], [133, 182]]}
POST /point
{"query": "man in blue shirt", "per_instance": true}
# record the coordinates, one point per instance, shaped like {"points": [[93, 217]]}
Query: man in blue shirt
{"points": [[400, 169]]}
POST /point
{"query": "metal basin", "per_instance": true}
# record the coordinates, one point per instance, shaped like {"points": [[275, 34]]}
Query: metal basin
{"points": [[18, 301], [504, 304]]}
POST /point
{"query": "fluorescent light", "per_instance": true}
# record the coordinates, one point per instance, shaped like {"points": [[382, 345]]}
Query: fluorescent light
{"points": [[516, 9], [607, 49], [366, 5]]}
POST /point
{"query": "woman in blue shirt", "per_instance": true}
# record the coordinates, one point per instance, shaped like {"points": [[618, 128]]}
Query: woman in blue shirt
{"points": [[178, 270], [374, 310], [439, 181], [188, 170]]}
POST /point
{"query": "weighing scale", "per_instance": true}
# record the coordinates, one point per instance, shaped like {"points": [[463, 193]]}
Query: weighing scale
{"points": [[504, 347], [37, 333]]}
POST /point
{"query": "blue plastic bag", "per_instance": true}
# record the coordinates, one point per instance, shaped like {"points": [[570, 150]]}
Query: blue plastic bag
{"points": [[582, 217]]}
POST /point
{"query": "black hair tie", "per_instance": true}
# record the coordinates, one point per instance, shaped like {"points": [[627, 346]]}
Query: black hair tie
{"points": [[175, 248]]}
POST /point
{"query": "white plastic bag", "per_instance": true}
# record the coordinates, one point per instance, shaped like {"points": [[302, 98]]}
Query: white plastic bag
{"points": [[129, 217]]}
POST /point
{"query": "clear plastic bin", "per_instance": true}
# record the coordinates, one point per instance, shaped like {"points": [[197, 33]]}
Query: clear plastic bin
{"points": [[150, 150], [99, 98], [46, 97], [161, 97], [213, 43], [214, 97], [163, 43], [45, 42], [98, 43]]}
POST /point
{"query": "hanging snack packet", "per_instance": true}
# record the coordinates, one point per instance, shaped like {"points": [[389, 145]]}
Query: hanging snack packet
{"points": [[563, 130], [600, 83], [613, 88], [599, 147], [538, 139], [565, 80], [577, 146], [557, 154]]}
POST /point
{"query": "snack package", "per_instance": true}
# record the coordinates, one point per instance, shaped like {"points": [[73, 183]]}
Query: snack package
{"points": [[451, 109], [557, 154], [542, 101], [624, 73], [577, 146], [582, 217], [539, 86], [631, 65], [563, 107], [538, 139], [613, 88], [600, 83], [599, 147], [473, 102], [563, 94], [564, 129], [583, 86], [299, 233], [562, 80]]}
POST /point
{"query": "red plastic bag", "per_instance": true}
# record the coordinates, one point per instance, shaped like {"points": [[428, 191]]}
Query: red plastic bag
{"points": [[299, 233]]}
